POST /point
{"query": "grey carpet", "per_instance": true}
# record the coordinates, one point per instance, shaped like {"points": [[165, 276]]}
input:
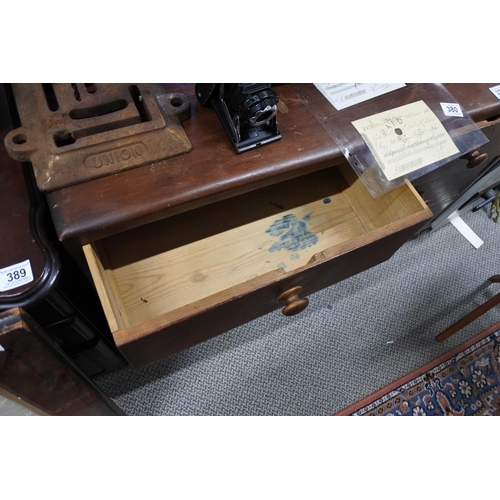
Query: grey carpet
{"points": [[354, 338]]}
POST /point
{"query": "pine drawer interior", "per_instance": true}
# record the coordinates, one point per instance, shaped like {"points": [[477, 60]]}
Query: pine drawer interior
{"points": [[158, 268]]}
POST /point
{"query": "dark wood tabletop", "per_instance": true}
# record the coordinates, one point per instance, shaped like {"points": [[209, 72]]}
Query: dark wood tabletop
{"points": [[23, 222], [213, 170]]}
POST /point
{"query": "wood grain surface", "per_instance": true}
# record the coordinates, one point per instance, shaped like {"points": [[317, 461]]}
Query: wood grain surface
{"points": [[23, 221], [441, 186], [166, 265], [157, 277], [169, 333], [213, 170]]}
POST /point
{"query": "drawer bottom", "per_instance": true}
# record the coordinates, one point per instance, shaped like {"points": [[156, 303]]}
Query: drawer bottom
{"points": [[155, 277]]}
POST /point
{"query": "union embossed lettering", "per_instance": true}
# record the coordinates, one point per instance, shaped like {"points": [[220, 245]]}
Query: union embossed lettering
{"points": [[116, 156]]}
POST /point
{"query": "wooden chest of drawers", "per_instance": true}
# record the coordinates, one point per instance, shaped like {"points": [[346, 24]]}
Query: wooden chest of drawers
{"points": [[190, 247], [172, 283]]}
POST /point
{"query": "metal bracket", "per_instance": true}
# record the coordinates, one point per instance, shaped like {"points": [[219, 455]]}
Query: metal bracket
{"points": [[72, 133]]}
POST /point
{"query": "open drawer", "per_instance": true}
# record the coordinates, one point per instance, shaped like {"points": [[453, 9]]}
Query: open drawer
{"points": [[173, 283]]}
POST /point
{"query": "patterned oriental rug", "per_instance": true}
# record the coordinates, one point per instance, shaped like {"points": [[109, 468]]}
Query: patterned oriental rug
{"points": [[462, 382]]}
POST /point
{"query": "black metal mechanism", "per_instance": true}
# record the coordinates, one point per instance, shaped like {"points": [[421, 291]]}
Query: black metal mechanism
{"points": [[487, 197], [247, 111], [477, 196]]}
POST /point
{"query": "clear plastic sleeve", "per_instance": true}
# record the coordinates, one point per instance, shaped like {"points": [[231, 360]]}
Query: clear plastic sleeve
{"points": [[339, 125]]}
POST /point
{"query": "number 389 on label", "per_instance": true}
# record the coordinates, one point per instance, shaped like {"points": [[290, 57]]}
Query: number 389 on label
{"points": [[15, 276]]}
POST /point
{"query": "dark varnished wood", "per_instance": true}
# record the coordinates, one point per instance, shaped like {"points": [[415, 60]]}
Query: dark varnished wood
{"points": [[26, 235], [475, 158], [294, 304], [213, 170], [469, 318], [210, 172], [477, 99], [22, 224], [441, 186], [38, 373]]}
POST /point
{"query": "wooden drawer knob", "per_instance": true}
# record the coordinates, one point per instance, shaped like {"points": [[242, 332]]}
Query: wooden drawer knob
{"points": [[293, 303], [475, 158]]}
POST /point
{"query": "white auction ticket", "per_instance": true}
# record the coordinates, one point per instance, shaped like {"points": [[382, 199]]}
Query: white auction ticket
{"points": [[496, 91], [15, 276], [451, 109], [343, 95]]}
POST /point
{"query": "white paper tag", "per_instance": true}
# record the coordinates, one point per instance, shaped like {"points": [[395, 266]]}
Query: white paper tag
{"points": [[496, 91], [15, 276], [343, 95], [1, 348], [405, 139], [466, 231], [452, 109]]}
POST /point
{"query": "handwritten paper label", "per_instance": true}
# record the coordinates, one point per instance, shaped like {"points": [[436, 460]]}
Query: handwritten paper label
{"points": [[496, 91], [15, 276], [405, 139], [452, 109], [343, 95]]}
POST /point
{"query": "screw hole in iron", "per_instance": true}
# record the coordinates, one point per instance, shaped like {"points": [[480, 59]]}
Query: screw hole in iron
{"points": [[19, 139], [176, 101]]}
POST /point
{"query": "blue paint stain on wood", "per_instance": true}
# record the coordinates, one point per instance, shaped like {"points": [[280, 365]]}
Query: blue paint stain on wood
{"points": [[292, 233]]}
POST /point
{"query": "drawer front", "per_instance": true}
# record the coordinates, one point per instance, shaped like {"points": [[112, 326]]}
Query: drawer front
{"points": [[154, 341], [177, 282], [441, 186]]}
